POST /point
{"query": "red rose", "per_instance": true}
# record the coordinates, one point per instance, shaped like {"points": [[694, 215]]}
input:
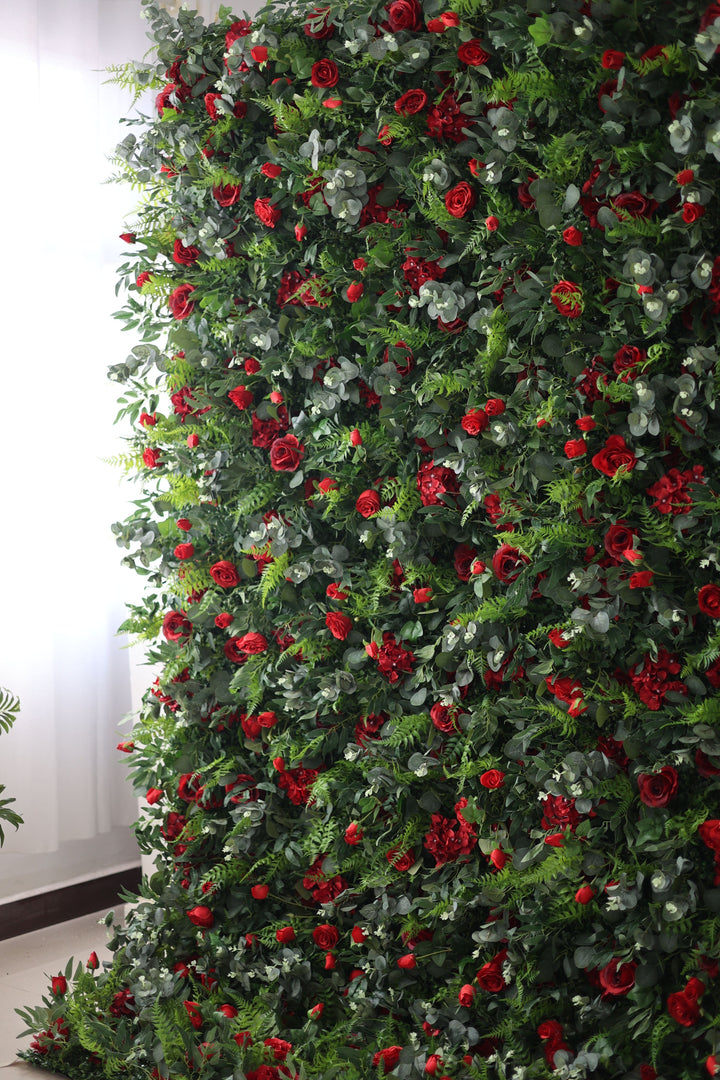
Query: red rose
{"points": [[224, 574], [355, 291], [223, 620], [201, 916], [286, 454], [316, 25], [400, 861], [641, 579], [465, 556], [253, 643], [612, 60], [184, 256], [388, 1057], [411, 102], [585, 423], [184, 551], [259, 53], [572, 236], [493, 779], [466, 995], [404, 15], [474, 421], [325, 936], [368, 503], [180, 303], [634, 204], [241, 397], [709, 833], [584, 894], [709, 600], [285, 935], [492, 224], [422, 596], [692, 211], [268, 213], [176, 626], [685, 176], [154, 795], [567, 298], [490, 976], [615, 455], [575, 448], [353, 834], [507, 563], [59, 985], [227, 194], [618, 539], [237, 30], [444, 718], [617, 978], [338, 624], [682, 1008], [407, 962], [147, 419], [657, 789], [270, 170], [558, 639], [184, 523], [460, 199], [472, 53], [357, 934], [324, 74]]}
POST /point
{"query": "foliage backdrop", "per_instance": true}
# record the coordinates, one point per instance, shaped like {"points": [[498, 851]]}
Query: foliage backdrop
{"points": [[425, 414]]}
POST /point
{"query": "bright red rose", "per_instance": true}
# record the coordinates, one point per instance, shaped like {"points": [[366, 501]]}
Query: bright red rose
{"points": [[444, 718], [709, 833], [241, 397], [180, 303], [657, 789], [474, 421], [567, 298], [324, 74], [259, 892], [266, 212], [460, 199], [685, 176], [492, 224], [575, 448], [507, 563], [355, 291], [368, 503], [617, 978], [472, 53], [709, 600], [388, 1057], [691, 212], [226, 194], [184, 551], [201, 916], [253, 643], [572, 236], [285, 935], [407, 961], [584, 894], [411, 102], [466, 995], [259, 53], [153, 796], [353, 834], [615, 455], [492, 779], [176, 626], [286, 454], [338, 624], [224, 574], [558, 639]]}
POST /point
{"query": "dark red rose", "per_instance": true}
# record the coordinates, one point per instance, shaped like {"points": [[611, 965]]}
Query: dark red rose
{"points": [[388, 1058], [444, 718], [325, 936], [709, 833], [709, 600], [368, 503], [683, 1008], [612, 60], [176, 626], [460, 199], [264, 432], [472, 53], [237, 30], [617, 978], [286, 454], [465, 556], [691, 212], [185, 256], [317, 26], [657, 789], [404, 15], [224, 573], [449, 838], [507, 563], [490, 976], [338, 624], [411, 102], [324, 74], [241, 397], [474, 421], [227, 194], [567, 298], [618, 539], [615, 455], [558, 810], [393, 660], [627, 359], [634, 204], [180, 303], [234, 652], [653, 679], [402, 861], [267, 213]]}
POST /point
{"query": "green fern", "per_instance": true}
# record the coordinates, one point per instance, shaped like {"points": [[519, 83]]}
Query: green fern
{"points": [[9, 708], [272, 575]]}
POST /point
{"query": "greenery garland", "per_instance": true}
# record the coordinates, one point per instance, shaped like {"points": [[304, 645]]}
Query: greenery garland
{"points": [[429, 446]]}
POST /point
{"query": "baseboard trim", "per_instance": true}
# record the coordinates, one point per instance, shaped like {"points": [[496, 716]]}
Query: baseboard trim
{"points": [[60, 905]]}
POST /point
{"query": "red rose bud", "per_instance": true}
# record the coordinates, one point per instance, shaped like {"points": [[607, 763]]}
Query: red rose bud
{"points": [[498, 858], [148, 420], [575, 448], [276, 397], [126, 747], [335, 592], [712, 1065], [612, 60], [330, 961], [492, 223], [466, 995], [433, 1063], [285, 935], [353, 834], [359, 265], [631, 555], [184, 524], [259, 892], [332, 103], [642, 579], [154, 795], [557, 639], [554, 840], [436, 26], [193, 440], [316, 1012], [355, 437], [59, 985], [685, 176], [327, 485], [585, 423], [422, 596], [270, 170], [184, 551], [300, 232], [228, 1010], [201, 916], [494, 406], [572, 236], [584, 894], [407, 962], [355, 291], [478, 567], [259, 54], [358, 935], [223, 620], [279, 764], [92, 961], [128, 237]]}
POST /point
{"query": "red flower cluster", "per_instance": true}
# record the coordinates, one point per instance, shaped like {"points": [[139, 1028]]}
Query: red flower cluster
{"points": [[653, 679], [450, 838], [393, 660], [670, 492]]}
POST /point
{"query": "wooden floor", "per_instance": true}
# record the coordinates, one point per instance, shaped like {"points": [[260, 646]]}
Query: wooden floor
{"points": [[27, 963]]}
